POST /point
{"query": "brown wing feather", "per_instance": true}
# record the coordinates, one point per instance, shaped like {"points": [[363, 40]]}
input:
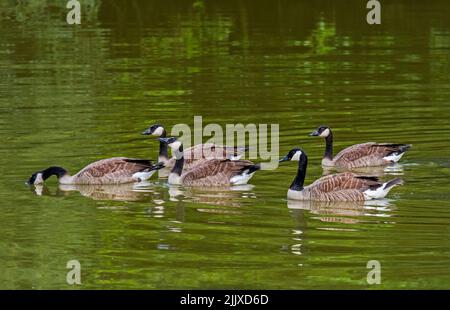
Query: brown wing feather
{"points": [[111, 171], [340, 195], [214, 172], [200, 153], [365, 154], [354, 152], [344, 181], [210, 151]]}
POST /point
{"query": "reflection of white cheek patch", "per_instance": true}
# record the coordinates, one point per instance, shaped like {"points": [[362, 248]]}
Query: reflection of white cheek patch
{"points": [[325, 133], [158, 131], [296, 156], [39, 179]]}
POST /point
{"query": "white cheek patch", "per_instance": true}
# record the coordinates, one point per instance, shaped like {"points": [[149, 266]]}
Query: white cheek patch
{"points": [[176, 149], [39, 179], [158, 131], [177, 154], [325, 133], [175, 145], [296, 156]]}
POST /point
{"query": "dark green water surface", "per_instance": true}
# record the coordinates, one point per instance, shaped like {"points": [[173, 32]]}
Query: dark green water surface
{"points": [[70, 95]]}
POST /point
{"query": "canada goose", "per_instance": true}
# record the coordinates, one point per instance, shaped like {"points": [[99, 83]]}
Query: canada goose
{"points": [[116, 170], [344, 186], [359, 155], [211, 172], [196, 154]]}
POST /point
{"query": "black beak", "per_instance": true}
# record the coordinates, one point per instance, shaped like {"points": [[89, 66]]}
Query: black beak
{"points": [[315, 133], [285, 158], [158, 166], [147, 132], [164, 140]]}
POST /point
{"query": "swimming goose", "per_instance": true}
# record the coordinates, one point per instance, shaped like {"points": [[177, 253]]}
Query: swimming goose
{"points": [[211, 172], [344, 186], [196, 154], [359, 155], [116, 170]]}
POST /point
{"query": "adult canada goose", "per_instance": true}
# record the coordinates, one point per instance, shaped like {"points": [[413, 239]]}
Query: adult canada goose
{"points": [[211, 172], [116, 170], [344, 186], [359, 155], [196, 154]]}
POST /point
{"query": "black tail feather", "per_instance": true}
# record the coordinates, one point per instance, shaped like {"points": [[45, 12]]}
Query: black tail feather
{"points": [[145, 162], [403, 148], [158, 166], [398, 148], [254, 168], [393, 182], [367, 177]]}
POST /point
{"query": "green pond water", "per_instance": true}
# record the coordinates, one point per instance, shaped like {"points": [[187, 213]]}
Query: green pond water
{"points": [[70, 95]]}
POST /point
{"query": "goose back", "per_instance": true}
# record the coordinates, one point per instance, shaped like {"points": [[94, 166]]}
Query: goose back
{"points": [[344, 186], [116, 170], [200, 153], [214, 172], [368, 154]]}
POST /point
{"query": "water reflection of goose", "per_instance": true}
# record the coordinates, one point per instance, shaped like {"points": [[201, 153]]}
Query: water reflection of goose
{"points": [[119, 192], [122, 192], [219, 196], [345, 186], [359, 155], [347, 212], [349, 208], [336, 212], [41, 190]]}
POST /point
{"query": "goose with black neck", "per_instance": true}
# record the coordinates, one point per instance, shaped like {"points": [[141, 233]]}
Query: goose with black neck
{"points": [[368, 154], [194, 155], [116, 170], [344, 186], [210, 172]]}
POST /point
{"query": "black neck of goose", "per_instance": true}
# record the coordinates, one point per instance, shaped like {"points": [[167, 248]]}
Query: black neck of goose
{"points": [[56, 171], [179, 163], [329, 146], [163, 149], [297, 184]]}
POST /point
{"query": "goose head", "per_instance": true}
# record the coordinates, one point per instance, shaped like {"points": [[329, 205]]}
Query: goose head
{"points": [[322, 131], [154, 130], [39, 177], [36, 179], [293, 155], [173, 143]]}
